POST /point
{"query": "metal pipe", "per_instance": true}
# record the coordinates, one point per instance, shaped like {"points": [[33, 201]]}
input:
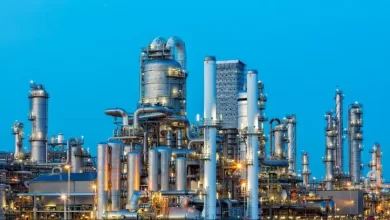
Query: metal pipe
{"points": [[116, 149], [272, 162], [153, 170], [102, 170], [305, 169], [17, 131], [339, 152], [133, 174], [176, 42], [145, 147], [69, 144], [280, 143], [169, 138], [271, 134], [39, 121], [292, 144], [121, 214], [118, 112], [253, 146], [181, 173], [183, 151], [242, 103], [133, 204], [179, 193], [152, 109], [210, 134]]}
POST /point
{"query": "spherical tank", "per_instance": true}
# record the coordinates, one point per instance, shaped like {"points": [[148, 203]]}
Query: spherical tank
{"points": [[163, 83]]}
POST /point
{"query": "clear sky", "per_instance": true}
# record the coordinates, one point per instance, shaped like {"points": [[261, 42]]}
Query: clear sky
{"points": [[86, 54]]}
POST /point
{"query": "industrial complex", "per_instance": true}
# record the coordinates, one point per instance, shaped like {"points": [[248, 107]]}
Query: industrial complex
{"points": [[231, 163]]}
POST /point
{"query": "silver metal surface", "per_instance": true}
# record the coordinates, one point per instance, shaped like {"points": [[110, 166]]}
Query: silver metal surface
{"points": [[339, 152], [118, 112], [133, 204], [165, 158], [181, 173], [183, 213], [169, 138], [76, 159], [153, 170], [355, 136], [176, 42], [291, 144], [39, 121], [121, 214], [305, 169], [144, 110], [330, 143], [133, 174], [17, 131], [280, 142], [116, 149], [179, 136], [102, 170]]}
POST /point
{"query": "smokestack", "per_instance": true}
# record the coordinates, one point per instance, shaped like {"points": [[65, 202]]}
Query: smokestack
{"points": [[38, 117], [253, 146], [355, 136], [210, 132], [305, 169], [339, 150]]}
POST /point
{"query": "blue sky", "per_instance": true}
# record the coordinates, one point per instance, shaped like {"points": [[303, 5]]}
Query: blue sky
{"points": [[86, 53]]}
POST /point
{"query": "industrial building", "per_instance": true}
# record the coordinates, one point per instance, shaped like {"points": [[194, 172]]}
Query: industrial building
{"points": [[159, 165]]}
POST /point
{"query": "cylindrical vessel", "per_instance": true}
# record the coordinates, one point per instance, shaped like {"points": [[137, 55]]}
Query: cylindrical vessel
{"points": [[153, 170], [280, 143], [242, 124], [116, 149], [355, 141], [102, 170], [165, 157], [17, 131], [253, 146], [145, 147], [39, 120], [330, 144], [305, 169], [210, 141], [339, 151], [291, 146], [181, 173], [179, 136], [60, 138], [76, 159], [169, 138], [133, 173]]}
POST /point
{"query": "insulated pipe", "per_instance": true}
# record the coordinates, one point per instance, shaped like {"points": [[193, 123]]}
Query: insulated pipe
{"points": [[169, 138], [280, 143], [355, 141], [118, 112], [144, 110], [133, 174], [121, 214], [102, 169], [181, 50], [339, 152], [187, 124], [17, 131], [210, 143], [253, 146], [181, 173], [305, 169], [153, 170], [271, 134], [179, 193], [242, 125], [116, 149]]}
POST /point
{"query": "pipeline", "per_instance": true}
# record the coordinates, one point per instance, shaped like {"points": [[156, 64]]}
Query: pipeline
{"points": [[118, 112], [144, 110], [70, 140]]}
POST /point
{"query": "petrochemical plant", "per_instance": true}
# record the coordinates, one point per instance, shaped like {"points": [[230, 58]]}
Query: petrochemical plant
{"points": [[159, 165]]}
